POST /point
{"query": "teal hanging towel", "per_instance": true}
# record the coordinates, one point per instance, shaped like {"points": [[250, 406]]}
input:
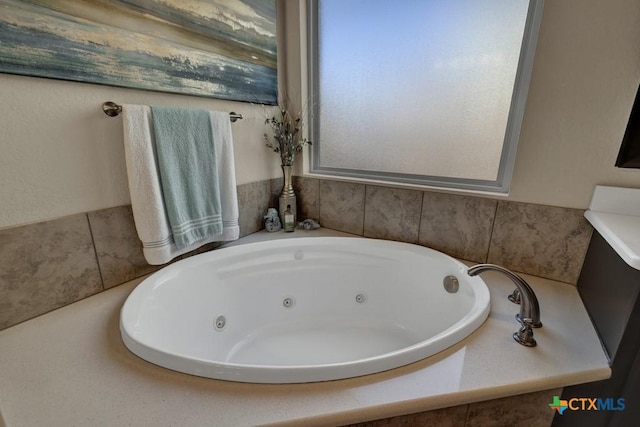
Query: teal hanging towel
{"points": [[187, 166]]}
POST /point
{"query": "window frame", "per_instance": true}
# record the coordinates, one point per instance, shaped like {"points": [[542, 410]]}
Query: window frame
{"points": [[512, 132]]}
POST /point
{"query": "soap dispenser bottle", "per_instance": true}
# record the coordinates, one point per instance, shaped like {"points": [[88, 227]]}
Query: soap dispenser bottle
{"points": [[289, 220]]}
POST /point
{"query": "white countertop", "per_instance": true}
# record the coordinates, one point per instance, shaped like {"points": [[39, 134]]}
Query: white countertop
{"points": [[70, 368], [615, 213]]}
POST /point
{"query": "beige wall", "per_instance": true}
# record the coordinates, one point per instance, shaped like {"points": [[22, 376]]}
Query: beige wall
{"points": [[59, 154], [585, 76]]}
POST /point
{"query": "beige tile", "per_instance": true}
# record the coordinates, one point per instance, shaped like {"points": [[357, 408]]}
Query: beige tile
{"points": [[275, 185], [253, 201], [45, 266], [392, 213], [342, 206], [447, 417], [531, 410], [118, 247], [308, 194], [544, 241], [459, 226]]}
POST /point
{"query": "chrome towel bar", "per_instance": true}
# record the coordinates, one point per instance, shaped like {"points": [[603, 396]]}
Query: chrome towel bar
{"points": [[112, 109]]}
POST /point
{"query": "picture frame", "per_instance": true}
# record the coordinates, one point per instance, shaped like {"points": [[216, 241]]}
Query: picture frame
{"points": [[215, 48]]}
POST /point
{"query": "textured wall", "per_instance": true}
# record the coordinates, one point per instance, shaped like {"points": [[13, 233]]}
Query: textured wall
{"points": [[61, 155], [585, 76]]}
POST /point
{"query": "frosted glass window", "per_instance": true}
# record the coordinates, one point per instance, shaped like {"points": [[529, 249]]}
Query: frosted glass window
{"points": [[420, 91]]}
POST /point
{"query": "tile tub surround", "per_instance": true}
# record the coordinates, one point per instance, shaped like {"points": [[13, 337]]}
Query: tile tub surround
{"points": [[392, 213], [253, 200], [308, 194], [45, 266], [460, 226], [48, 265], [90, 372], [341, 206], [545, 241], [117, 246]]}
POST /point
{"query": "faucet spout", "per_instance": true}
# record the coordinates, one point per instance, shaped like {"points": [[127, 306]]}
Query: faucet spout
{"points": [[529, 306]]}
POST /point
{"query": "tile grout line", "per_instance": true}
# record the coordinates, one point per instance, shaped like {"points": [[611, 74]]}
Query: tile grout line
{"points": [[95, 250], [420, 216], [364, 211], [493, 226], [467, 415], [319, 202]]}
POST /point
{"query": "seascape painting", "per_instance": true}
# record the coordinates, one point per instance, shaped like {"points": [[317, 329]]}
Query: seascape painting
{"points": [[222, 49]]}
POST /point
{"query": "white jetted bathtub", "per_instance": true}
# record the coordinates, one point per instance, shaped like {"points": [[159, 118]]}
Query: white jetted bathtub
{"points": [[302, 310]]}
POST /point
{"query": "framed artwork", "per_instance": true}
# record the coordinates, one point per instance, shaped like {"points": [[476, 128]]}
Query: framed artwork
{"points": [[222, 49]]}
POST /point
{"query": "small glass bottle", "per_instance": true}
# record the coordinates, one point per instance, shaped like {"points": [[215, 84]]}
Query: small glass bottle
{"points": [[289, 220]]}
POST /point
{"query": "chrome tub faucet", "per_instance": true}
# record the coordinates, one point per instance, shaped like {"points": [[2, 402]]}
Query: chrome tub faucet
{"points": [[529, 316]]}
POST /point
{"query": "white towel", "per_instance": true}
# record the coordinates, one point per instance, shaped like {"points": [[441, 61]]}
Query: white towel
{"points": [[147, 203], [221, 126]]}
